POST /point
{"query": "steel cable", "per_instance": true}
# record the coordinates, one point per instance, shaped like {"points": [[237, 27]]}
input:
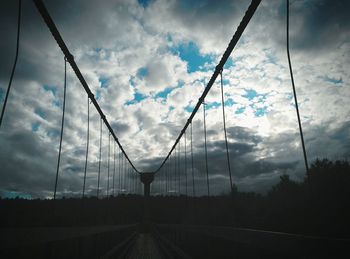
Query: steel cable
{"points": [[99, 160], [224, 121], [15, 62], [192, 165], [296, 100], [87, 145], [185, 164], [109, 155], [240, 29], [205, 149], [113, 167], [62, 126]]}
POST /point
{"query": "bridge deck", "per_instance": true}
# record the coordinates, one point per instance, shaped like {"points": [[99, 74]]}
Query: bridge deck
{"points": [[164, 241], [145, 247]]}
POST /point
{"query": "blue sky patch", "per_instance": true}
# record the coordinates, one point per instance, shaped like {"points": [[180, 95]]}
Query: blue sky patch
{"points": [[169, 38], [35, 126], [98, 94], [189, 108], [142, 72], [132, 81], [334, 80], [164, 94], [52, 89], [270, 58], [229, 63], [52, 133], [229, 102], [40, 113], [260, 112], [225, 81], [212, 105], [13, 195], [250, 94], [138, 97], [144, 3], [57, 103], [240, 110], [189, 52], [103, 81]]}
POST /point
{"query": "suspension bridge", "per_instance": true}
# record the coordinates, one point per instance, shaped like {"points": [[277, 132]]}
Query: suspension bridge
{"points": [[174, 224]]}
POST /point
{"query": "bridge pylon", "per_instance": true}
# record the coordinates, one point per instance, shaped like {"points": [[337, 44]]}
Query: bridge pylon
{"points": [[146, 179]]}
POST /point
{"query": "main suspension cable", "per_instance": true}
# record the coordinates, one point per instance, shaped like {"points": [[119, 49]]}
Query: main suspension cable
{"points": [[52, 27], [70, 58], [241, 27], [15, 62], [224, 120]]}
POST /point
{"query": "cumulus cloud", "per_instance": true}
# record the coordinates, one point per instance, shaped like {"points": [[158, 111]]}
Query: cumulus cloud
{"points": [[131, 56]]}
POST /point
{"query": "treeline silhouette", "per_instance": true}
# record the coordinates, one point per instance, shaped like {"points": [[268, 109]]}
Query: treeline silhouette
{"points": [[321, 208]]}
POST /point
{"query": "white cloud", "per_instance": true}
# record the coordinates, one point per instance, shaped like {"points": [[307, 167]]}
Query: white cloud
{"points": [[115, 39]]}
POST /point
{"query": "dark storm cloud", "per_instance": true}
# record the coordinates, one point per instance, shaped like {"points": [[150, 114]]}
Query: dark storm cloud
{"points": [[208, 12], [8, 28], [236, 149], [120, 127], [244, 160], [329, 141], [29, 166], [243, 134], [325, 23], [216, 151], [20, 170], [341, 133], [315, 25], [262, 166], [28, 160], [35, 42]]}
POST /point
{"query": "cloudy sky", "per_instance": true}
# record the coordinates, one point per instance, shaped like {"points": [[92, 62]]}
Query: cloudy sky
{"points": [[147, 62]]}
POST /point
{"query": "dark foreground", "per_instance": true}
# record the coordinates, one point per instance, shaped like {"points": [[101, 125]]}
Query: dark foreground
{"points": [[289, 222]]}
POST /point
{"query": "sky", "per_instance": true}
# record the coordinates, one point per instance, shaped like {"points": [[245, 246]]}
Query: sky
{"points": [[147, 63]]}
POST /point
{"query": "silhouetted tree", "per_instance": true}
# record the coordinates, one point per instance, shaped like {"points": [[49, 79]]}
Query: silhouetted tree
{"points": [[330, 180], [287, 207]]}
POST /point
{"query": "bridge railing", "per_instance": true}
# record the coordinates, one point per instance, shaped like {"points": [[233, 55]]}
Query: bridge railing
{"points": [[64, 242], [225, 242]]}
